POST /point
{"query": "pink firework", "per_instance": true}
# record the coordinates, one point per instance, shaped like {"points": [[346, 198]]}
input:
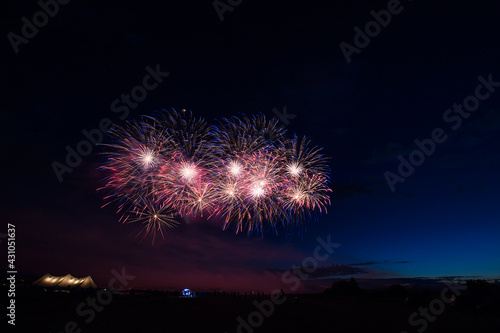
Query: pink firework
{"points": [[243, 172]]}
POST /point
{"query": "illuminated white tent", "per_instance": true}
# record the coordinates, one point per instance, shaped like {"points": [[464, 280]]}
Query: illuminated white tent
{"points": [[67, 281]]}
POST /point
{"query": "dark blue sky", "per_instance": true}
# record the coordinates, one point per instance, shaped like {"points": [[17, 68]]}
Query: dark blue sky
{"points": [[443, 220]]}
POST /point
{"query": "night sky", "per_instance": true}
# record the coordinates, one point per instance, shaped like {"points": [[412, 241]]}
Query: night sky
{"points": [[366, 109]]}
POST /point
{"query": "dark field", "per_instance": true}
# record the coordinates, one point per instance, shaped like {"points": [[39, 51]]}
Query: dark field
{"points": [[51, 312]]}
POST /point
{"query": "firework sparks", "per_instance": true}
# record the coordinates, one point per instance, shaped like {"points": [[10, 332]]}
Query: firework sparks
{"points": [[154, 217], [188, 172], [244, 172]]}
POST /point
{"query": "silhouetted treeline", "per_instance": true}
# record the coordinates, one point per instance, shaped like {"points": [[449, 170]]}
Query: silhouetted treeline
{"points": [[344, 288], [479, 295], [482, 287]]}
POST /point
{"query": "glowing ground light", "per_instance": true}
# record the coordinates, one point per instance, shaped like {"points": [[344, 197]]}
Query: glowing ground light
{"points": [[188, 293]]}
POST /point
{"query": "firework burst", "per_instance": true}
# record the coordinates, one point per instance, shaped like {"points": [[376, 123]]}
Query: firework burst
{"points": [[244, 172], [154, 217]]}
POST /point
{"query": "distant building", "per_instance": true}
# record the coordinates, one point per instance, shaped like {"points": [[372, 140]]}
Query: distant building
{"points": [[66, 282]]}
